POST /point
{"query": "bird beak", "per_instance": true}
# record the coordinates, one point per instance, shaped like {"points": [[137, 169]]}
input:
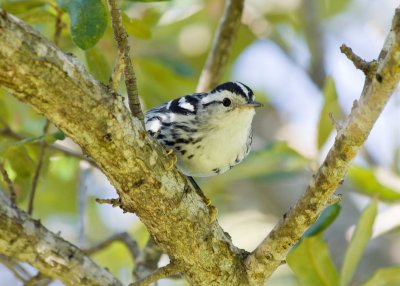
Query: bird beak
{"points": [[254, 104]]}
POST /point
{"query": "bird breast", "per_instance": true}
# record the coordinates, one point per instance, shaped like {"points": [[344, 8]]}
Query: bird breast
{"points": [[225, 142]]}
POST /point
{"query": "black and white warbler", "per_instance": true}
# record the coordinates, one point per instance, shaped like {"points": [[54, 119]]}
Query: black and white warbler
{"points": [[208, 132]]}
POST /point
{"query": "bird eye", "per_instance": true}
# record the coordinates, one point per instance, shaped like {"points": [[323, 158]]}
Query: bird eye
{"points": [[226, 102]]}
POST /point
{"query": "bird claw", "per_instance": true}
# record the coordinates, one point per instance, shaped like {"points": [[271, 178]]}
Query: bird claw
{"points": [[173, 158], [213, 212]]}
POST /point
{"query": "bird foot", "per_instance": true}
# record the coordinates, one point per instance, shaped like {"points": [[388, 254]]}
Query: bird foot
{"points": [[213, 212], [173, 159]]}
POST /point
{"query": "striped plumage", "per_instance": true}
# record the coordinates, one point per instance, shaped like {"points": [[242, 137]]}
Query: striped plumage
{"points": [[208, 132]]}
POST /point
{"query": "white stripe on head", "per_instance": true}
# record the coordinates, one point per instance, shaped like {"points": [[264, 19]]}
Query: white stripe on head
{"points": [[186, 105], [244, 88]]}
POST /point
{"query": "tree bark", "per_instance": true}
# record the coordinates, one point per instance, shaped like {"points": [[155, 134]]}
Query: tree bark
{"points": [[25, 239], [57, 85]]}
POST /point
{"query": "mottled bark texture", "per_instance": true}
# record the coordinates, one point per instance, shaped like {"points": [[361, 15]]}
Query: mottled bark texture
{"points": [[58, 86], [26, 239]]}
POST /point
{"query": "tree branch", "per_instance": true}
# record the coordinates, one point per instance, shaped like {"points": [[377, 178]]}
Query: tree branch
{"points": [[219, 53], [162, 272], [39, 74], [38, 169], [368, 68], [315, 42], [121, 37], [123, 237], [8, 182], [147, 262], [269, 254], [25, 239]]}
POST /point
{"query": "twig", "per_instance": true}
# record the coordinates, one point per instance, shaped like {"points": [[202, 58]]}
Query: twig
{"points": [[160, 273], [334, 122], [147, 261], [19, 272], [113, 202], [7, 132], [268, 255], [117, 71], [123, 237], [218, 56], [368, 68], [38, 279], [334, 199], [38, 169], [58, 25], [121, 37], [314, 41], [9, 183]]}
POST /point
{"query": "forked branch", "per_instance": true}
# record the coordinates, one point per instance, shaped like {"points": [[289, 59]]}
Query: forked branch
{"points": [[269, 254]]}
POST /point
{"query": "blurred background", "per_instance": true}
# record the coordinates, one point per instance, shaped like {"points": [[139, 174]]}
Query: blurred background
{"points": [[288, 52]]}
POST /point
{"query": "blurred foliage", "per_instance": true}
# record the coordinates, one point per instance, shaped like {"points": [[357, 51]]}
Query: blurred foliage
{"points": [[312, 262], [367, 183], [169, 44], [358, 242], [385, 277], [330, 108]]}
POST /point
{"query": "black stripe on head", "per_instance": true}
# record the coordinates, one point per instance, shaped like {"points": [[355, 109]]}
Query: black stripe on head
{"points": [[237, 88], [178, 106]]}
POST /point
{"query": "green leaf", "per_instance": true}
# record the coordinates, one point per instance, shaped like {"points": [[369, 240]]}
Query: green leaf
{"points": [[358, 242], [136, 27], [385, 277], [16, 7], [37, 16], [52, 137], [367, 183], [331, 105], [97, 64], [327, 217], [88, 21], [312, 263]]}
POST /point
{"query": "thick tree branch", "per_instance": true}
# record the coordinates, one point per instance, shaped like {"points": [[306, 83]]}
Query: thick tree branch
{"points": [[121, 37], [218, 56], [25, 239], [58, 86], [269, 254]]}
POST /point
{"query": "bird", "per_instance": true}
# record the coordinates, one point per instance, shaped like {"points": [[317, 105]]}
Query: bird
{"points": [[209, 132]]}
